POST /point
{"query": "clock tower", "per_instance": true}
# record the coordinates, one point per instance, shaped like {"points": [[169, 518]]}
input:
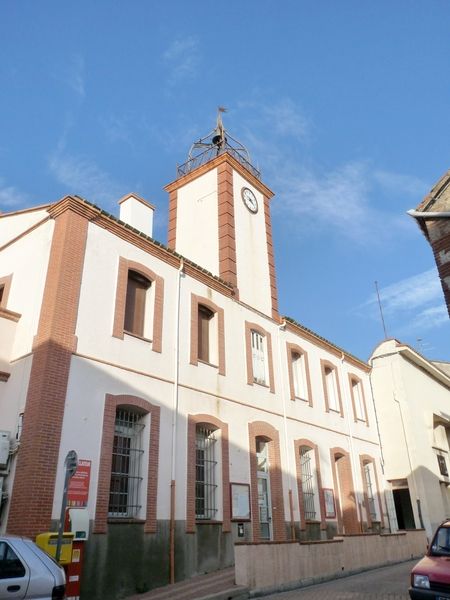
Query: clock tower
{"points": [[219, 217]]}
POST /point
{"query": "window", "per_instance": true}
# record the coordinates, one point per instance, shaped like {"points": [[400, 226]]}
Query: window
{"points": [[10, 564], [139, 303], [299, 376], [205, 473], [207, 333], [369, 480], [309, 483], [258, 357], [136, 320], [126, 467], [206, 324], [2, 288], [359, 406], [331, 389], [442, 465], [5, 286]]}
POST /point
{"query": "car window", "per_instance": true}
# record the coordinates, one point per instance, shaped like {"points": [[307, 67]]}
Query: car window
{"points": [[441, 542], [10, 564]]}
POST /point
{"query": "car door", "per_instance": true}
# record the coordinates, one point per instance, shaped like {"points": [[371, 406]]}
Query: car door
{"points": [[14, 573]]}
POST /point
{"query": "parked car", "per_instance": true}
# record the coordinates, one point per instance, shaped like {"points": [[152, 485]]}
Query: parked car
{"points": [[27, 572], [430, 578]]}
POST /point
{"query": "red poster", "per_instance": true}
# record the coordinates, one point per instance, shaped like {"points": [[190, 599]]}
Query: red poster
{"points": [[78, 492]]}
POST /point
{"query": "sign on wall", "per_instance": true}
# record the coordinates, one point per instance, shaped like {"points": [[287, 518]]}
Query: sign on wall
{"points": [[240, 501], [78, 492]]}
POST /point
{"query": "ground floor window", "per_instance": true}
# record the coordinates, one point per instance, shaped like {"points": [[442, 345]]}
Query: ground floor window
{"points": [[205, 473]]}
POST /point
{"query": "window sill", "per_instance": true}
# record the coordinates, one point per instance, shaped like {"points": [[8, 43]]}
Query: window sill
{"points": [[9, 314], [305, 400], [208, 522], [336, 412], [264, 385], [124, 521], [135, 335], [205, 362]]}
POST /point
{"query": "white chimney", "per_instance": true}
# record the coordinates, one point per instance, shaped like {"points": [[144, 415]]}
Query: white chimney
{"points": [[137, 212]]}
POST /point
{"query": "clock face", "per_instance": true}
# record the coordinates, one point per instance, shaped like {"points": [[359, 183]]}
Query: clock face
{"points": [[249, 199]]}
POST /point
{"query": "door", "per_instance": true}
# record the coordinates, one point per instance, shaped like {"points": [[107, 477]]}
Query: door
{"points": [[264, 503]]}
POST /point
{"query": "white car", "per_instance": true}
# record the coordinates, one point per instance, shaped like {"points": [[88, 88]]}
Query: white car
{"points": [[29, 573]]}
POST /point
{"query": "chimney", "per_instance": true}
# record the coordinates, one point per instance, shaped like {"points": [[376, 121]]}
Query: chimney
{"points": [[138, 213]]}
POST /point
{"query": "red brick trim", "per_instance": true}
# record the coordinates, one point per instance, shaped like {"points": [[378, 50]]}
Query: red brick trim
{"points": [[195, 301], [346, 510], [172, 224], [104, 476], [227, 239], [271, 259], [354, 378], [324, 364], [363, 460], [214, 422], [297, 446], [290, 350], [126, 265], [248, 347], [270, 434], [5, 282], [53, 345], [9, 315]]}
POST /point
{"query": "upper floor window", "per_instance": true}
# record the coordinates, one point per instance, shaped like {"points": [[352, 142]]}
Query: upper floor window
{"points": [[205, 473], [359, 404], [126, 470], [139, 303], [332, 392], [2, 287], [5, 285], [259, 360], [442, 465], [259, 356], [207, 333], [137, 319], [299, 375]]}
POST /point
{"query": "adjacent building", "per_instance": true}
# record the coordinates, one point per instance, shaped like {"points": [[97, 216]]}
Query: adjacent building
{"points": [[412, 400], [200, 415], [433, 217]]}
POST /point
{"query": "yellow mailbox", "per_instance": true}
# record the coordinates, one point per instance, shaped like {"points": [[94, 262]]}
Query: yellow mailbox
{"points": [[49, 540]]}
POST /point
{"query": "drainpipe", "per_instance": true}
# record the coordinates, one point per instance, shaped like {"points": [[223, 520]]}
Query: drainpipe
{"points": [[282, 328], [350, 438], [174, 425]]}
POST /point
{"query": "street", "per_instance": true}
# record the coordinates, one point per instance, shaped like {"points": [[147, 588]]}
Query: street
{"points": [[388, 582]]}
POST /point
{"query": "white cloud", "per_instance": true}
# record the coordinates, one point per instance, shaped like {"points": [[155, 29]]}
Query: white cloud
{"points": [[75, 75], [182, 58], [397, 183], [410, 305], [85, 179], [11, 197]]}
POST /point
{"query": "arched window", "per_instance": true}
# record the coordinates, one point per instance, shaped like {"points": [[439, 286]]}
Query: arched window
{"points": [[206, 475]]}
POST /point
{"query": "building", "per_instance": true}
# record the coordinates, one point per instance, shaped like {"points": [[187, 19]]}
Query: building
{"points": [[202, 415], [433, 217], [412, 400]]}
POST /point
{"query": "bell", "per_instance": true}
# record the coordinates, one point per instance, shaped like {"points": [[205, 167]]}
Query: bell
{"points": [[217, 137]]}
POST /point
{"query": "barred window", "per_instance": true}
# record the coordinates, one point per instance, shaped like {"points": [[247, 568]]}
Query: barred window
{"points": [[308, 482], [126, 478], [368, 474], [205, 473]]}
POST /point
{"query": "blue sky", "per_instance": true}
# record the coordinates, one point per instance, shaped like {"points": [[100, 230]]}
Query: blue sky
{"points": [[344, 106]]}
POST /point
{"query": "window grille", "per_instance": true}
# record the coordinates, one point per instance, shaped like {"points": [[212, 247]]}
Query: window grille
{"points": [[258, 358], [370, 492], [307, 481], [126, 468], [205, 473]]}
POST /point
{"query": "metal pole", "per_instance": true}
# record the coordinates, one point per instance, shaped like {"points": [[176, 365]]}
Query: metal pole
{"points": [[62, 517]]}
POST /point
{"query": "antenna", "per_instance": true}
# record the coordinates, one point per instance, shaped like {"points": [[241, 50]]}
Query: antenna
{"points": [[381, 310]]}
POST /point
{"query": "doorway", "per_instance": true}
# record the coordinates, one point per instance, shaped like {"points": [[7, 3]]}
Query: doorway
{"points": [[403, 509]]}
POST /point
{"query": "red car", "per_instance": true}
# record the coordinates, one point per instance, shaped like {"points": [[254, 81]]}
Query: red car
{"points": [[430, 578]]}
